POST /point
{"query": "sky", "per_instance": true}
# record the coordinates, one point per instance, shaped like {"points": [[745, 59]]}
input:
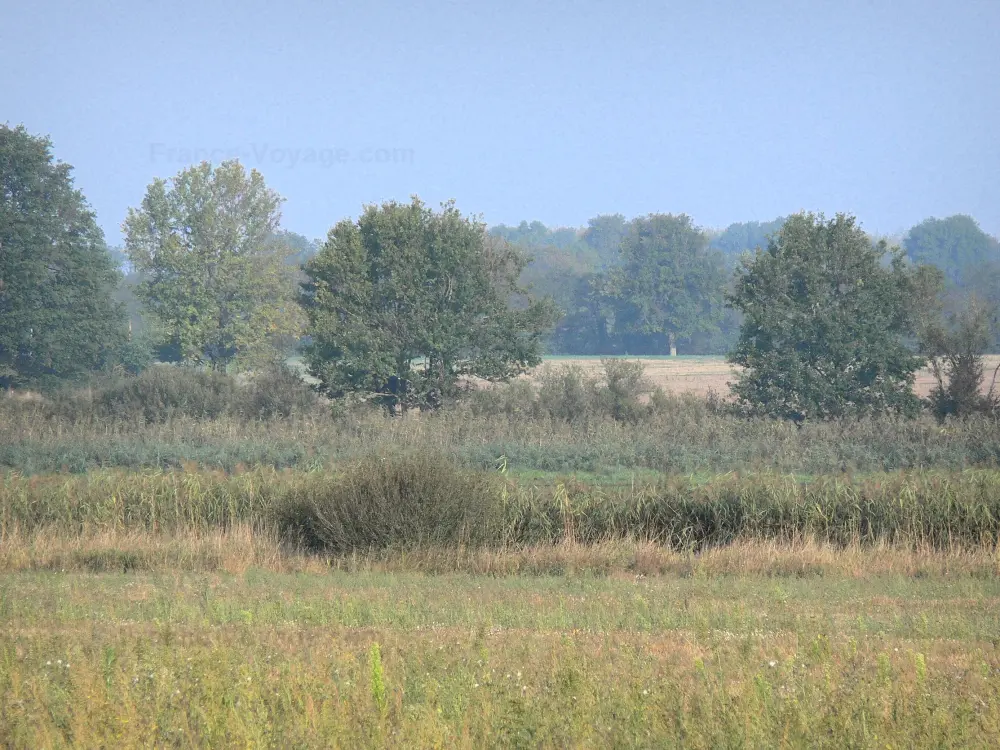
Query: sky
{"points": [[556, 111]]}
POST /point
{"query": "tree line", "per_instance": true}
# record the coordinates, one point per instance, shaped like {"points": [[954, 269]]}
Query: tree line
{"points": [[404, 303]]}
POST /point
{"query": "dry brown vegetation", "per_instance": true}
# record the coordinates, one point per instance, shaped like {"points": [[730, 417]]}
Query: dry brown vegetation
{"points": [[701, 375]]}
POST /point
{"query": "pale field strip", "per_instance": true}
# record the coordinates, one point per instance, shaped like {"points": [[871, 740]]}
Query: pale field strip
{"points": [[699, 375]]}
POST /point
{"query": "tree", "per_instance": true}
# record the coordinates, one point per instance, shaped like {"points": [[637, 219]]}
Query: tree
{"points": [[746, 236], [604, 236], [214, 276], [302, 247], [405, 301], [955, 345], [669, 285], [57, 316], [824, 326], [956, 245]]}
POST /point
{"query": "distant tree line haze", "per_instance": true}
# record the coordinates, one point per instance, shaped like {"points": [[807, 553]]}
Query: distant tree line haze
{"points": [[405, 304]]}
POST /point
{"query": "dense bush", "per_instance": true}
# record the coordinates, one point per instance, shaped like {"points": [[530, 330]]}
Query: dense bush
{"points": [[159, 393], [411, 500], [277, 392]]}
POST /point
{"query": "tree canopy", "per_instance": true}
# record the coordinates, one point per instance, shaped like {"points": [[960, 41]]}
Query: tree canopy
{"points": [[215, 276], [826, 313], [668, 284], [956, 245], [405, 301], [57, 316], [745, 236]]}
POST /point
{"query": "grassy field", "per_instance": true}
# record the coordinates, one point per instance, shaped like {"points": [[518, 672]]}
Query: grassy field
{"points": [[189, 562], [751, 657]]}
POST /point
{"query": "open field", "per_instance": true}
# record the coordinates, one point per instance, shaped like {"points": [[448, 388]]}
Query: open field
{"points": [[763, 656], [503, 573], [699, 375]]}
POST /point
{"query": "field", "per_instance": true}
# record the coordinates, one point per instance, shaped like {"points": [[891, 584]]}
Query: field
{"points": [[512, 572], [700, 375], [754, 646]]}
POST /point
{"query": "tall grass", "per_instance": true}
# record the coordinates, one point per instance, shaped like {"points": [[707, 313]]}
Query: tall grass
{"points": [[414, 501], [685, 437]]}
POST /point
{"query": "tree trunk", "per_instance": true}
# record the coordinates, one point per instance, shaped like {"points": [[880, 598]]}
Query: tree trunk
{"points": [[673, 344]]}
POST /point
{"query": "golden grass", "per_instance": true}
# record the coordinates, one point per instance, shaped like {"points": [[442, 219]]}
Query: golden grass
{"points": [[235, 551]]}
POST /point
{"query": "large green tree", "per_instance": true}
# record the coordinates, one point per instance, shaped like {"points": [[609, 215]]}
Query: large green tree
{"points": [[57, 316], [215, 276], [668, 285], [826, 314], [405, 301]]}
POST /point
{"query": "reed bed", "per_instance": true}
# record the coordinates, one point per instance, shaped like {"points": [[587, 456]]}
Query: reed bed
{"points": [[422, 500]]}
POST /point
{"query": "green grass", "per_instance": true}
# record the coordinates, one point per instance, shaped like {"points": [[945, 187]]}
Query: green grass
{"points": [[419, 500], [264, 659]]}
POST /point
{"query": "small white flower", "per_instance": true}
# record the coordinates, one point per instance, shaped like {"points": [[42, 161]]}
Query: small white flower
{"points": [[645, 692], [772, 664]]}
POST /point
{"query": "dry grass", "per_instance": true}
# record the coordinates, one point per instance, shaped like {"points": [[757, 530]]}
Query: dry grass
{"points": [[700, 375], [240, 549]]}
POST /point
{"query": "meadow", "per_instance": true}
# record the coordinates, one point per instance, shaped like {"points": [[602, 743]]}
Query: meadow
{"points": [[569, 561]]}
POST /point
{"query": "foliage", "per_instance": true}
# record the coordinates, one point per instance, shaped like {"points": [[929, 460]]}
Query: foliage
{"points": [[568, 394], [824, 324], [746, 236], [956, 347], [160, 393], [213, 275], [669, 285], [536, 234], [302, 248], [405, 284], [956, 245], [58, 320], [414, 500], [277, 392], [604, 234]]}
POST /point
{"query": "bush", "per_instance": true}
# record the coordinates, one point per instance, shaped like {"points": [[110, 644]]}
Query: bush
{"points": [[277, 392], [410, 500], [165, 391], [569, 394]]}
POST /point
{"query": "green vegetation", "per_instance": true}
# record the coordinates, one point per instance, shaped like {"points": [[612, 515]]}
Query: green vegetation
{"points": [[365, 659], [563, 422], [214, 276], [404, 283], [191, 557], [58, 320], [825, 321], [668, 284], [421, 501]]}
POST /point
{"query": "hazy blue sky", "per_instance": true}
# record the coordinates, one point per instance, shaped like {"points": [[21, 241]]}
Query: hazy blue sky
{"points": [[728, 111]]}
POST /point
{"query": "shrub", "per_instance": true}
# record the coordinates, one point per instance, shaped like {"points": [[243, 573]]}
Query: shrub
{"points": [[165, 391], [410, 500], [620, 394], [569, 394], [277, 392]]}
